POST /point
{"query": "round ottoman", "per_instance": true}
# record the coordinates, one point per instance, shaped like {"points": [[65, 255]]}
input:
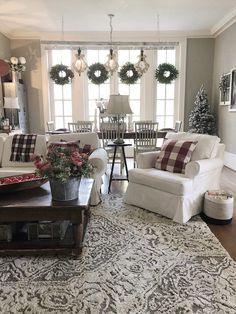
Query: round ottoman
{"points": [[218, 207]]}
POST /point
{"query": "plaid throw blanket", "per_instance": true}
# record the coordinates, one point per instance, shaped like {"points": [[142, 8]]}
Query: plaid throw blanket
{"points": [[22, 147]]}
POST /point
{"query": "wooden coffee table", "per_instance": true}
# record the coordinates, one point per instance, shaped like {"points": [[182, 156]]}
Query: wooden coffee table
{"points": [[37, 205]]}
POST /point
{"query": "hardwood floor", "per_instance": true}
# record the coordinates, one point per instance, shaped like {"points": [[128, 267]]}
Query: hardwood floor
{"points": [[226, 234]]}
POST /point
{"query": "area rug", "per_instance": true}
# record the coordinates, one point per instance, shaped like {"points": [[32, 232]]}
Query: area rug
{"points": [[133, 262]]}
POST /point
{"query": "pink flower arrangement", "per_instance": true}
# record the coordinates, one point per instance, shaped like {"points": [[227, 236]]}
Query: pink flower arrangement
{"points": [[63, 162]]}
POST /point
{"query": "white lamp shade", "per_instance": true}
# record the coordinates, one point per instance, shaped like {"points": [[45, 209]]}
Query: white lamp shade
{"points": [[119, 104], [11, 103]]}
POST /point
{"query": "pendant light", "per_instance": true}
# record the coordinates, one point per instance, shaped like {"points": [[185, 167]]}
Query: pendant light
{"points": [[141, 66], [111, 65], [80, 65]]}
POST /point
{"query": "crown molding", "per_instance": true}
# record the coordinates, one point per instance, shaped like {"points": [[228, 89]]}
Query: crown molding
{"points": [[224, 23], [102, 35]]}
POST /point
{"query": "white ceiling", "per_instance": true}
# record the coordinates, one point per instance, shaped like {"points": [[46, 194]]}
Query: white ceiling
{"points": [[24, 17]]}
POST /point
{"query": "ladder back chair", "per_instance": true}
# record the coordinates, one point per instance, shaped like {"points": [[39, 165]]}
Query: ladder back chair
{"points": [[109, 132], [84, 126], [50, 126], [145, 139], [73, 127]]}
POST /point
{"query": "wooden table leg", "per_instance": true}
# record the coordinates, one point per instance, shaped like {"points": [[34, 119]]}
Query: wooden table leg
{"points": [[112, 168], [78, 233], [124, 157]]}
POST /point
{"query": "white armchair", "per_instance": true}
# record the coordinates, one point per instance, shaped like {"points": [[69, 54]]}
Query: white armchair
{"points": [[175, 195]]}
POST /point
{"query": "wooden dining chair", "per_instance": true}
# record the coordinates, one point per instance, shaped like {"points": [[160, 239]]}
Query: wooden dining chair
{"points": [[145, 138], [73, 127], [50, 126], [109, 132], [84, 126]]}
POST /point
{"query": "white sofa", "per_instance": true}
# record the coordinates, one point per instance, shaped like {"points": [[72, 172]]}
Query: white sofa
{"points": [[98, 157], [174, 195]]}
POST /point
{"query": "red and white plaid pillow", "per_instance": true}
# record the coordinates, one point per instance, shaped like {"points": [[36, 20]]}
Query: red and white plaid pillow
{"points": [[174, 155]]}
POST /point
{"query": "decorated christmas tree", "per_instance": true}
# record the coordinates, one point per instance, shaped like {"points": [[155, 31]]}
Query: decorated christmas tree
{"points": [[201, 120]]}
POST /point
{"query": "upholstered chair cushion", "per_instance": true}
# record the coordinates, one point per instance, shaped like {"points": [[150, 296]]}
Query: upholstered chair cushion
{"points": [[175, 155]]}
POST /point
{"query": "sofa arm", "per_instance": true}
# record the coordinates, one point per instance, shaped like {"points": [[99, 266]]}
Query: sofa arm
{"points": [[195, 168], [99, 159], [147, 160]]}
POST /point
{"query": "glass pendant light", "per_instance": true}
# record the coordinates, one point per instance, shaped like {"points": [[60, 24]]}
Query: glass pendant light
{"points": [[80, 65], [111, 65], [141, 66]]}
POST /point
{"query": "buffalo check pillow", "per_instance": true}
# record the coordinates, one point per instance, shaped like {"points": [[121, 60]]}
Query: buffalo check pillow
{"points": [[174, 155]]}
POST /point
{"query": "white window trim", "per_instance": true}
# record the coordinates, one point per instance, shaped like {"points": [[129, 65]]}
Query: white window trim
{"points": [[147, 94]]}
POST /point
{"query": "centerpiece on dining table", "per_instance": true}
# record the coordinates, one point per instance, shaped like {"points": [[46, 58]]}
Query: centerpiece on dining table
{"points": [[64, 166]]}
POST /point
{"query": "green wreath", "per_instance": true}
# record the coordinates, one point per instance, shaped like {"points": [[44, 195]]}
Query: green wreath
{"points": [[97, 73], [128, 74], [166, 73], [61, 74]]}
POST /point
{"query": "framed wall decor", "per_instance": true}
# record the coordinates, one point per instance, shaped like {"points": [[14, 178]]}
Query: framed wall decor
{"points": [[232, 106], [225, 89]]}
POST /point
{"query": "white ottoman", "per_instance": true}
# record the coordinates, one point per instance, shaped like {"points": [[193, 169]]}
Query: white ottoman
{"points": [[218, 207]]}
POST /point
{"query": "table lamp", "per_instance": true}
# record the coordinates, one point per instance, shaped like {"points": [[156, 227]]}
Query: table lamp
{"points": [[11, 103], [119, 105]]}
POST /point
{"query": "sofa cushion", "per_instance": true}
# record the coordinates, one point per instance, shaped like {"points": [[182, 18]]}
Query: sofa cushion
{"points": [[2, 140], [40, 149], [207, 145], [174, 155], [174, 183]]}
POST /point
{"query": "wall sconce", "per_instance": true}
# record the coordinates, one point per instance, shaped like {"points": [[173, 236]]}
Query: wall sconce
{"points": [[141, 66], [80, 65], [111, 65]]}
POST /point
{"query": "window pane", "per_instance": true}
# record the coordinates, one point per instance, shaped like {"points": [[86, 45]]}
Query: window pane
{"points": [[161, 121], [170, 58], [170, 91], [67, 120], [92, 56], [103, 56], [67, 91], [169, 122], [133, 55], [104, 91], [161, 91], [68, 108], [59, 123], [160, 107], [93, 91], [161, 56], [124, 89], [135, 107], [57, 91], [58, 108], [169, 107], [123, 57], [135, 91], [92, 107]]}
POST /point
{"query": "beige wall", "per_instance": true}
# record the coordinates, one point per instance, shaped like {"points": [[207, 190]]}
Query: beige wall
{"points": [[5, 53], [225, 61], [31, 50], [199, 70]]}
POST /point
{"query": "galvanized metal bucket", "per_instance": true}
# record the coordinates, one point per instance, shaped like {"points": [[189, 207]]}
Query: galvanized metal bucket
{"points": [[65, 191]]}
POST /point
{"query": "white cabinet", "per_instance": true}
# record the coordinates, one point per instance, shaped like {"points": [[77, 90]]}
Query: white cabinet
{"points": [[17, 89]]}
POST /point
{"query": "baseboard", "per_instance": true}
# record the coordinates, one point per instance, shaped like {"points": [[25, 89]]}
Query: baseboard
{"points": [[230, 160]]}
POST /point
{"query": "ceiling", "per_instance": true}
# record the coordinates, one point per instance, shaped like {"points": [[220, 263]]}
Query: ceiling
{"points": [[28, 17]]}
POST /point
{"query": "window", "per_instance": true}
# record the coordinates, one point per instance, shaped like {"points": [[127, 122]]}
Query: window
{"points": [[60, 96], [132, 90], [165, 93], [96, 91]]}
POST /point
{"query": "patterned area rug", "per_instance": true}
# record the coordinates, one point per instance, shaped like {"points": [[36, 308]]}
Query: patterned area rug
{"points": [[133, 262]]}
